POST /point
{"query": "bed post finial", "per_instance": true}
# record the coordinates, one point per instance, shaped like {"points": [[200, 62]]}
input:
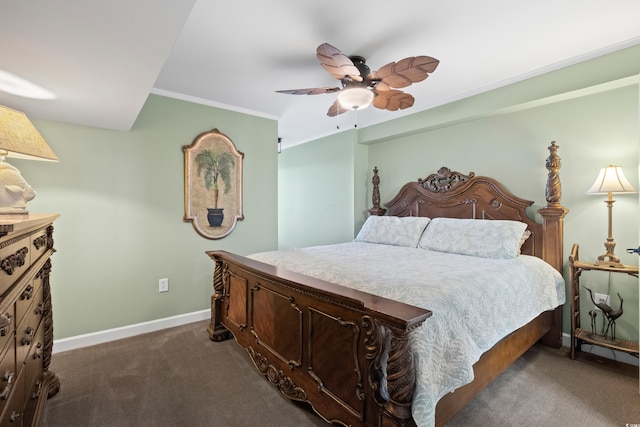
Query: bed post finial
{"points": [[375, 197], [554, 189], [553, 213]]}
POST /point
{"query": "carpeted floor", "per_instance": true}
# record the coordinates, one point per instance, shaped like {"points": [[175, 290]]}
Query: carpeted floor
{"points": [[546, 388], [178, 377]]}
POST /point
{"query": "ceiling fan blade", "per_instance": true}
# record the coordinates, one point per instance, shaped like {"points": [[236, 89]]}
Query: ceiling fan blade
{"points": [[336, 109], [407, 71], [392, 100], [311, 91], [336, 63]]}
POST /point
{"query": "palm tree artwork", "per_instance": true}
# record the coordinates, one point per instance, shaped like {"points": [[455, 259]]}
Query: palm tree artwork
{"points": [[213, 166]]}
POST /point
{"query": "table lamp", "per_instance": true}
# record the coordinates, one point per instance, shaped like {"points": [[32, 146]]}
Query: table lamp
{"points": [[610, 180], [19, 139]]}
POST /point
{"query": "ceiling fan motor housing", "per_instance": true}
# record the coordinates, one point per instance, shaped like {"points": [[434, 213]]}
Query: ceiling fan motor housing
{"points": [[361, 65]]}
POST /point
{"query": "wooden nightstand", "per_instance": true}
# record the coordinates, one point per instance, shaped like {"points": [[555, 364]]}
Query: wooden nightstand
{"points": [[579, 335]]}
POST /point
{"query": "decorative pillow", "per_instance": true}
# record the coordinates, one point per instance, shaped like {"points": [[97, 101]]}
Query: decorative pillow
{"points": [[476, 237], [393, 230]]}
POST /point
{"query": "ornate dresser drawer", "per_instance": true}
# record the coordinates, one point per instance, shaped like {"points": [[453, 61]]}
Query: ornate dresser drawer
{"points": [[26, 327]]}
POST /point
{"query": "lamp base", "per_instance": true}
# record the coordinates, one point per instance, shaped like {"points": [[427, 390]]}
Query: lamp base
{"points": [[609, 258], [608, 263], [15, 192]]}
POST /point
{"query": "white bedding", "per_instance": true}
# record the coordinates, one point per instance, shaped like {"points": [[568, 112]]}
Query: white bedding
{"points": [[475, 301]]}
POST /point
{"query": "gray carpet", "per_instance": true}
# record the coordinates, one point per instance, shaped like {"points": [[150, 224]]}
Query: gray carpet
{"points": [[178, 377], [546, 388]]}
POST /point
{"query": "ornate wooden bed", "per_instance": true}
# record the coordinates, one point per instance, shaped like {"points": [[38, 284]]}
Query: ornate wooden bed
{"points": [[322, 343]]}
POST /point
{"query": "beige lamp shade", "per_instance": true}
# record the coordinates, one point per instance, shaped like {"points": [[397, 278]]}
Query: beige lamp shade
{"points": [[20, 139], [611, 180], [355, 98]]}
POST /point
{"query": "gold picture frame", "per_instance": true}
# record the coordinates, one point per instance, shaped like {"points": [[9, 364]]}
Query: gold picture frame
{"points": [[213, 184]]}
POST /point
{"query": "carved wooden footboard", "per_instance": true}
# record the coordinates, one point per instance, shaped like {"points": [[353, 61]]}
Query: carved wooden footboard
{"points": [[318, 342]]}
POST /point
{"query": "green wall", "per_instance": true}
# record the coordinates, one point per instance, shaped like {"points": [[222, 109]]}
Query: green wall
{"points": [[121, 200], [590, 109], [323, 173]]}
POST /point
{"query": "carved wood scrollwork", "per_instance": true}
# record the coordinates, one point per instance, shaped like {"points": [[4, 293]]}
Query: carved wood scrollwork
{"points": [[401, 378], [40, 242], [217, 332], [444, 180], [277, 377], [47, 324], [553, 191], [373, 344], [50, 237], [14, 261]]}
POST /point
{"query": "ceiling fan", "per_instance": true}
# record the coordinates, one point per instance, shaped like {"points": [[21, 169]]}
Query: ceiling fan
{"points": [[361, 87]]}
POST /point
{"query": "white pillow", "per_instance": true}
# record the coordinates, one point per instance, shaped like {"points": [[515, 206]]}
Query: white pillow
{"points": [[393, 230], [476, 237]]}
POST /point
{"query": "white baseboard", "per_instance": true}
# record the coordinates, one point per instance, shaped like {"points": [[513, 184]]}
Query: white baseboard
{"points": [[602, 351], [100, 337]]}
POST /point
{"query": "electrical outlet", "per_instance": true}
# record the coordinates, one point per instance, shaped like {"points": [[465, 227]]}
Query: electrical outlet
{"points": [[601, 298], [163, 285]]}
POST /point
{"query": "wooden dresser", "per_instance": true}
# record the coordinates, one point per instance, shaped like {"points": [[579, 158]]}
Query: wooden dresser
{"points": [[26, 327]]}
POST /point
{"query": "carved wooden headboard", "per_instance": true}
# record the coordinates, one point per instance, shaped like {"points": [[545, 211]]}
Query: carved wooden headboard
{"points": [[451, 194], [455, 195]]}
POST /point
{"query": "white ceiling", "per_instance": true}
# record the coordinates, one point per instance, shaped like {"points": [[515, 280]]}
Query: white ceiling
{"points": [[103, 58]]}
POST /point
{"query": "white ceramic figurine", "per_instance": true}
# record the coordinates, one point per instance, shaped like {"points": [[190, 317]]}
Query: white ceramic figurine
{"points": [[15, 191]]}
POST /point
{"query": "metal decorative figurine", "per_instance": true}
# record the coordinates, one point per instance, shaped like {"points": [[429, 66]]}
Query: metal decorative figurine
{"points": [[610, 315]]}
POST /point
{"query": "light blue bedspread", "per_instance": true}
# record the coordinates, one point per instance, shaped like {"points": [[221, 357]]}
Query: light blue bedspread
{"points": [[475, 301]]}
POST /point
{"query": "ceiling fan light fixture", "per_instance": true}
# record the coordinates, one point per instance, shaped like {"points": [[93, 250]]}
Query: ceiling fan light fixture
{"points": [[355, 98]]}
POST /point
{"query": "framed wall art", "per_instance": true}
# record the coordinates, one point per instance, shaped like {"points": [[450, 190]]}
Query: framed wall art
{"points": [[213, 184]]}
